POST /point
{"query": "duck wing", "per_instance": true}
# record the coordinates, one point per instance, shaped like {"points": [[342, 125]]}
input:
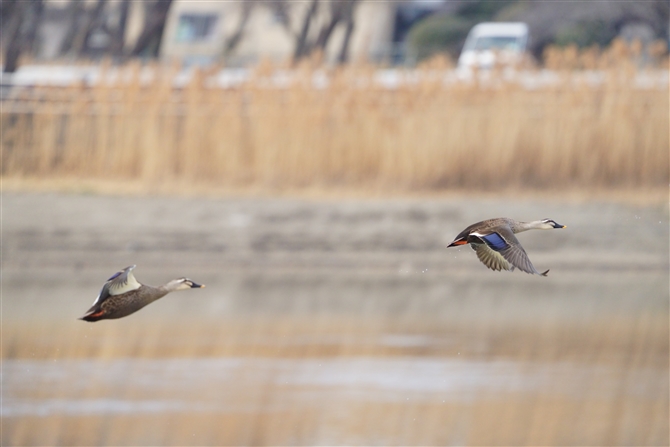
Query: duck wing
{"points": [[491, 259], [118, 284], [503, 241]]}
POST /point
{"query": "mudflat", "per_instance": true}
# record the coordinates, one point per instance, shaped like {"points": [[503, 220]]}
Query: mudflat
{"points": [[333, 322]]}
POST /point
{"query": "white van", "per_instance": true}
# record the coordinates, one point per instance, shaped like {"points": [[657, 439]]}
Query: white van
{"points": [[493, 43]]}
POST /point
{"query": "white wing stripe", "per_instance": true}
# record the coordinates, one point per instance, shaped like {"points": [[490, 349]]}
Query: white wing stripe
{"points": [[130, 284]]}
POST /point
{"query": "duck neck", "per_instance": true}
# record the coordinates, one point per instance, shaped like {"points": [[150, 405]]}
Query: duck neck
{"points": [[160, 291], [175, 284], [533, 225]]}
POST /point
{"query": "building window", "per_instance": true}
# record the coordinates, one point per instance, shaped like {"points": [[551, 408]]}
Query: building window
{"points": [[195, 27]]}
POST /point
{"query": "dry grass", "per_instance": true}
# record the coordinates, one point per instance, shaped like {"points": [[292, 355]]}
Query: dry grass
{"points": [[610, 341], [424, 134]]}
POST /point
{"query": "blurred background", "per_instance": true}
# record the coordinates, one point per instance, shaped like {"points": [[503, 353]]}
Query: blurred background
{"points": [[309, 161]]}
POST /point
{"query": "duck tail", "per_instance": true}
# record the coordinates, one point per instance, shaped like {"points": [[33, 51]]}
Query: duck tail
{"points": [[457, 242], [545, 273], [92, 316]]}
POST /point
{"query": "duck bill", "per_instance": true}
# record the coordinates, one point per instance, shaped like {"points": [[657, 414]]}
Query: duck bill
{"points": [[197, 286], [457, 243], [557, 225]]}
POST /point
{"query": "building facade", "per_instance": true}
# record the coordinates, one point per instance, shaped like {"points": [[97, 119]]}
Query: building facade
{"points": [[200, 32]]}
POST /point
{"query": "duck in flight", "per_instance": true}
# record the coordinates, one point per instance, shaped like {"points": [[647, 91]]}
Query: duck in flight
{"points": [[122, 295], [496, 245]]}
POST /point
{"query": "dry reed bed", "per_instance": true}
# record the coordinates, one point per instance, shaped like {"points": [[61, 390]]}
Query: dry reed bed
{"points": [[616, 341], [427, 134], [629, 345]]}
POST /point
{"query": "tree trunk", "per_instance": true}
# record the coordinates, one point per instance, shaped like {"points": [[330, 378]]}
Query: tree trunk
{"points": [[280, 9], [662, 10], [343, 57], [119, 35], [301, 47], [14, 39], [327, 30], [234, 40], [7, 10], [79, 41], [74, 12], [37, 7], [94, 20], [152, 34]]}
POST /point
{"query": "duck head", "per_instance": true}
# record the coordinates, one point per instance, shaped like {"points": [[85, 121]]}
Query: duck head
{"points": [[183, 284], [549, 224]]}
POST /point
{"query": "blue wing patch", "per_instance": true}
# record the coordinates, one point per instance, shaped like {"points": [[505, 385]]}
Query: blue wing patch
{"points": [[115, 275], [494, 241]]}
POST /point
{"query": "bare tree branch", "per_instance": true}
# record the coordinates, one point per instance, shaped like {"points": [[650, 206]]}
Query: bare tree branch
{"points": [[301, 45], [37, 10], [74, 13], [14, 42], [343, 56], [80, 43], [21, 32], [341, 12], [281, 9], [231, 42], [326, 31], [150, 39], [7, 10], [119, 34]]}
